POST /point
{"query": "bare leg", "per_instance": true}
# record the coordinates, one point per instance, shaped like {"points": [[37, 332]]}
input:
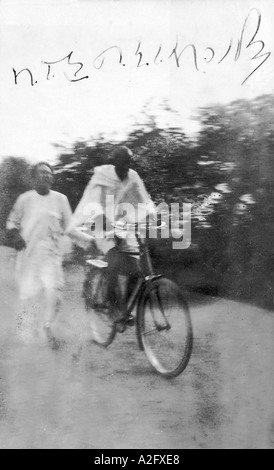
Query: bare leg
{"points": [[123, 288]]}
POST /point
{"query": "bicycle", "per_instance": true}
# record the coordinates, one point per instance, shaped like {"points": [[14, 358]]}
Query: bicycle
{"points": [[163, 323]]}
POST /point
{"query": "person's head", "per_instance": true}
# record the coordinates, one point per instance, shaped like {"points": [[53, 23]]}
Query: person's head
{"points": [[121, 160], [42, 174]]}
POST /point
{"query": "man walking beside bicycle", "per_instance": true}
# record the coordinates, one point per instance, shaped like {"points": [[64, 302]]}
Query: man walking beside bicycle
{"points": [[35, 227], [115, 194]]}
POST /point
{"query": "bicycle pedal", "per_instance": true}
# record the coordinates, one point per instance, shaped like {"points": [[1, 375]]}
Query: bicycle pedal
{"points": [[120, 326], [130, 321]]}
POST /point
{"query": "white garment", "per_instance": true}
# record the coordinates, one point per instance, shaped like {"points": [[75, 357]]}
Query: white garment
{"points": [[42, 221], [104, 184]]}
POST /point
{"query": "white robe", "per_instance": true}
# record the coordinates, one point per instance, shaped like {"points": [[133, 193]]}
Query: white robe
{"points": [[105, 183], [42, 221]]}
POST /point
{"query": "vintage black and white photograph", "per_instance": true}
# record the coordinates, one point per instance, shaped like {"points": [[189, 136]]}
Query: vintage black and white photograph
{"points": [[136, 226]]}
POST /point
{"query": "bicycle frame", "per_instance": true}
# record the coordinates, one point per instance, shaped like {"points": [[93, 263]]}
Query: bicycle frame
{"points": [[143, 280]]}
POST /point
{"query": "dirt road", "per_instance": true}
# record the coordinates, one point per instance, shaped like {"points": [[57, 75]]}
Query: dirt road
{"points": [[82, 396]]}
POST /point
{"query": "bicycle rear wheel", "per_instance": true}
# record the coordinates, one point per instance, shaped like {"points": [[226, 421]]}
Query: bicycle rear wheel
{"points": [[102, 324], [164, 327]]}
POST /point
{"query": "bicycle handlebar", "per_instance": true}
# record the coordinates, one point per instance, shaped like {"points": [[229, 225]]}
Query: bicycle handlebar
{"points": [[121, 229], [142, 225]]}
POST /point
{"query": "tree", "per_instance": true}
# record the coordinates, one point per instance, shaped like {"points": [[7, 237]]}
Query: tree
{"points": [[14, 180]]}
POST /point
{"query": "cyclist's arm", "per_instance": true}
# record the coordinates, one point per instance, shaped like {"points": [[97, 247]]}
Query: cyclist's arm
{"points": [[80, 237], [79, 228]]}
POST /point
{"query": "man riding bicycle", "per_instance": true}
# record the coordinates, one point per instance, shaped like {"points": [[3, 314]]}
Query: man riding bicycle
{"points": [[115, 195]]}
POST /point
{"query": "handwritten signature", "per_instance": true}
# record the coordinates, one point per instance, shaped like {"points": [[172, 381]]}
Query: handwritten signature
{"points": [[74, 69]]}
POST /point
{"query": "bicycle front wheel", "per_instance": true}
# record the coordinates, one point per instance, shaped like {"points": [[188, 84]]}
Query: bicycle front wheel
{"points": [[101, 321], [164, 327]]}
